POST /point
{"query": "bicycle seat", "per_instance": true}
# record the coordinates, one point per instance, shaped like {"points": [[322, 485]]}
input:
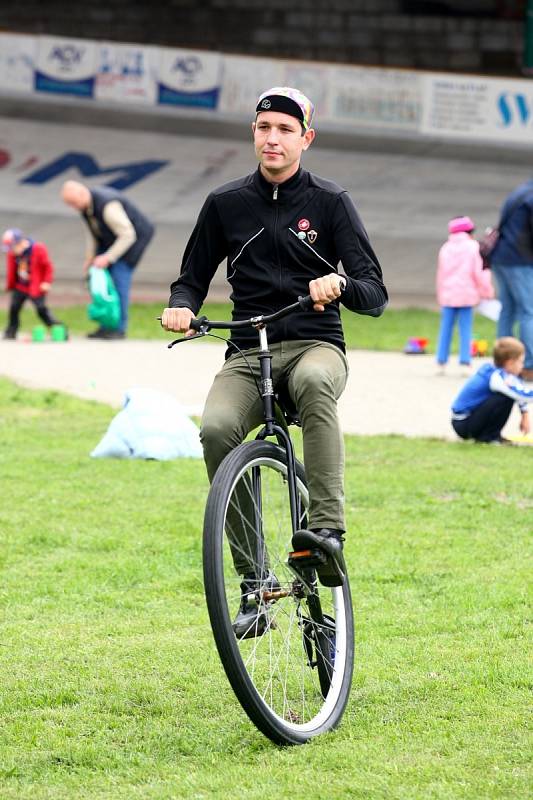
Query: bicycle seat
{"points": [[287, 407]]}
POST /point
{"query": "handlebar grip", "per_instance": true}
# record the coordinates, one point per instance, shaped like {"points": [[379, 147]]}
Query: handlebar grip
{"points": [[306, 302], [197, 323]]}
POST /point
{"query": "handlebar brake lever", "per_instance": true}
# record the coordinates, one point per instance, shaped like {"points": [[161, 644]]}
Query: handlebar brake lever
{"points": [[187, 338]]}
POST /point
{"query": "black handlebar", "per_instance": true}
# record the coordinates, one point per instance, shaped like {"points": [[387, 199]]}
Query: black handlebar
{"points": [[204, 325]]}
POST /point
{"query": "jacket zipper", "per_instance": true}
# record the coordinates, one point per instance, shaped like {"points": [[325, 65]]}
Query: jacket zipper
{"points": [[274, 198]]}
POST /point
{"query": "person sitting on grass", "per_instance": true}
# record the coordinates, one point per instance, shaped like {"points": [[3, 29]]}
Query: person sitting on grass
{"points": [[29, 274], [484, 404]]}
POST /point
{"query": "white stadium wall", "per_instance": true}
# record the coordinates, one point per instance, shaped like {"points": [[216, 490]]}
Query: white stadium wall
{"points": [[447, 106]]}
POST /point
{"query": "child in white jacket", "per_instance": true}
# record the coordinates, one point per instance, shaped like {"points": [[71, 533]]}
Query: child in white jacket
{"points": [[461, 284]]}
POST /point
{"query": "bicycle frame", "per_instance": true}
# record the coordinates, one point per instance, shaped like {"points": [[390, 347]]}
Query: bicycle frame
{"points": [[285, 628], [202, 326]]}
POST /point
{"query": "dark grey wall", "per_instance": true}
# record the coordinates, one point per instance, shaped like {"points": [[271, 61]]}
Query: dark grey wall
{"points": [[458, 35]]}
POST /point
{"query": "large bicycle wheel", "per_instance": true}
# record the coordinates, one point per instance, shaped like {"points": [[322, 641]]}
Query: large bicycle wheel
{"points": [[292, 670]]}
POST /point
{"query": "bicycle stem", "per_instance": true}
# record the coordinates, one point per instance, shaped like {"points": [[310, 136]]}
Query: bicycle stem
{"points": [[267, 385]]}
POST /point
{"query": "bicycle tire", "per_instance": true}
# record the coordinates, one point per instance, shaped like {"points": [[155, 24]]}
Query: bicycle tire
{"points": [[293, 699]]}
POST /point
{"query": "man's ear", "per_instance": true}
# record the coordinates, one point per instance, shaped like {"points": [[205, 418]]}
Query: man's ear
{"points": [[308, 138], [253, 128]]}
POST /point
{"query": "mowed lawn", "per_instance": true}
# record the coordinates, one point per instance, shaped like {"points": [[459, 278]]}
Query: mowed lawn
{"points": [[110, 686]]}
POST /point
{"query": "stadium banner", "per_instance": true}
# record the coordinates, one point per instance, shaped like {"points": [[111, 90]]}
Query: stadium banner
{"points": [[17, 62], [125, 73], [244, 78], [314, 80], [65, 66], [370, 97], [188, 78], [443, 105], [477, 108], [343, 95]]}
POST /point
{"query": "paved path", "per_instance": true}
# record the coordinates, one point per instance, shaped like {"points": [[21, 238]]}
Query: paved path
{"points": [[387, 393]]}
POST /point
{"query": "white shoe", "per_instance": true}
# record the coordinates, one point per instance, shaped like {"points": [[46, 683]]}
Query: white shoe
{"points": [[441, 369], [465, 370]]}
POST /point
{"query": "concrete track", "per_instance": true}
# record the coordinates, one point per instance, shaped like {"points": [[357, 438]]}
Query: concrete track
{"points": [[405, 190]]}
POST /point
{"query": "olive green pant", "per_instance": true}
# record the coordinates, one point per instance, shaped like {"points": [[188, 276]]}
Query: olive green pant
{"points": [[315, 375]]}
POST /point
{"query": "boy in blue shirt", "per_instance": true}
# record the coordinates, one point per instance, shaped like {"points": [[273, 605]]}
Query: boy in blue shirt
{"points": [[485, 402]]}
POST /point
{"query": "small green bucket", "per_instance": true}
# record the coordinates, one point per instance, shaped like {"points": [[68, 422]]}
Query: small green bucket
{"points": [[58, 333], [38, 334]]}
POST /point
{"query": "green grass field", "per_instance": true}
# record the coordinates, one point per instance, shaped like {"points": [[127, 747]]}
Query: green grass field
{"points": [[110, 683], [389, 332]]}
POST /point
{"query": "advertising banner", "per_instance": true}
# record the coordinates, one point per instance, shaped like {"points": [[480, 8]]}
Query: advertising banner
{"points": [[125, 73], [17, 61], [65, 66], [472, 107], [244, 79], [376, 98], [314, 80], [188, 78], [443, 105]]}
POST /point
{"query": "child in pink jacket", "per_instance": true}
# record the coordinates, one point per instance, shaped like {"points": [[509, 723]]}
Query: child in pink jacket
{"points": [[461, 284]]}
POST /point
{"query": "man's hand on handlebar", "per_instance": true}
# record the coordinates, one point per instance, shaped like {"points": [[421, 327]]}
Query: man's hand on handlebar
{"points": [[322, 291], [326, 289], [178, 320]]}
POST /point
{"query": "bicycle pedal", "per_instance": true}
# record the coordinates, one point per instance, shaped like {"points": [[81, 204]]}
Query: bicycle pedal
{"points": [[307, 558]]}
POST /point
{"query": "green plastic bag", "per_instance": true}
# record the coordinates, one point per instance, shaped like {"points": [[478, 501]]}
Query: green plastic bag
{"points": [[104, 307]]}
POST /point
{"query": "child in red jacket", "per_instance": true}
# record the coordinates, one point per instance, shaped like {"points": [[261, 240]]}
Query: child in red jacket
{"points": [[29, 275]]}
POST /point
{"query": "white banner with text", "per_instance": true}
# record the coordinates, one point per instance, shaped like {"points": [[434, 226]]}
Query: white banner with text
{"points": [[444, 106]]}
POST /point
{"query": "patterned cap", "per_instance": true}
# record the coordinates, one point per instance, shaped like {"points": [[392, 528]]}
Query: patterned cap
{"points": [[287, 101], [10, 237]]}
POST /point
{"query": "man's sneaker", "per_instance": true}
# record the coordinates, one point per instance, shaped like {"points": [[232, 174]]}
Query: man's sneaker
{"points": [[331, 570], [106, 333], [114, 335], [10, 334], [99, 333], [253, 617]]}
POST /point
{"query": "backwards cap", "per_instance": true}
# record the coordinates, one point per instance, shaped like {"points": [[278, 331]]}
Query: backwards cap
{"points": [[287, 101], [10, 237]]}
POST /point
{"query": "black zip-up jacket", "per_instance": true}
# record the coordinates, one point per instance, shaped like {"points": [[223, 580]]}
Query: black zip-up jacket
{"points": [[277, 238]]}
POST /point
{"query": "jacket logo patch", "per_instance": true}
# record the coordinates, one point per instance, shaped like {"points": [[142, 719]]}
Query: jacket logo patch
{"points": [[304, 224], [311, 235]]}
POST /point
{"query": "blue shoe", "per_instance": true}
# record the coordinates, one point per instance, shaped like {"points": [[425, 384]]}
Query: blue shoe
{"points": [[323, 551]]}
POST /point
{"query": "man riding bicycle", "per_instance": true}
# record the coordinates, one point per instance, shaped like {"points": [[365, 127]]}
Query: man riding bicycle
{"points": [[283, 232]]}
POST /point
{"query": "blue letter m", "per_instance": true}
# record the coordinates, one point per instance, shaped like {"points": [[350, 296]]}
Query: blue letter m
{"points": [[84, 163]]}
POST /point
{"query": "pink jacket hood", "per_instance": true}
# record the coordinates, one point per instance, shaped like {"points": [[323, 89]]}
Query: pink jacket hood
{"points": [[461, 279]]}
